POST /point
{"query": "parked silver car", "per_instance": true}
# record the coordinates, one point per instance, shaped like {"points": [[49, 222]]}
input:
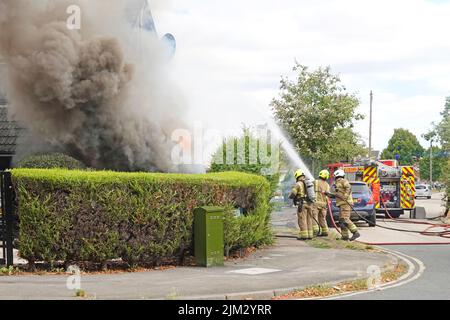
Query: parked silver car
{"points": [[423, 190]]}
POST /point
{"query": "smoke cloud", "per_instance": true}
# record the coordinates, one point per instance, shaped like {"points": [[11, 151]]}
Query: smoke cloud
{"points": [[101, 94]]}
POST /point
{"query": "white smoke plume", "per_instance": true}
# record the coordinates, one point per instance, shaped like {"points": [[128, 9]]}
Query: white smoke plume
{"points": [[94, 93]]}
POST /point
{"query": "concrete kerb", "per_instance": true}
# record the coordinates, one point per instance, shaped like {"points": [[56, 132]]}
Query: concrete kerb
{"points": [[406, 278], [270, 294]]}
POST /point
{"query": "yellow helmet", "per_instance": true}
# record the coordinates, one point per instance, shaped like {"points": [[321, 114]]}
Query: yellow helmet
{"points": [[324, 174], [298, 174]]}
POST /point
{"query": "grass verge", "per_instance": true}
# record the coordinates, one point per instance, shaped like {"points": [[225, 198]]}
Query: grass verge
{"points": [[9, 271], [330, 242], [326, 290]]}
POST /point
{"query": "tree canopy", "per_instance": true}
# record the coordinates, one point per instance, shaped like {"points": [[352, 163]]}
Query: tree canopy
{"points": [[404, 144], [443, 128], [248, 153], [441, 131], [439, 164], [318, 114]]}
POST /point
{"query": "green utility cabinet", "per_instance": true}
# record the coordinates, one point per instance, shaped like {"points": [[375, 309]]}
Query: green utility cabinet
{"points": [[208, 236]]}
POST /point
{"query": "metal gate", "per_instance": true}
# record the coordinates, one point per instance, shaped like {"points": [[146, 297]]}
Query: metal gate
{"points": [[6, 219]]}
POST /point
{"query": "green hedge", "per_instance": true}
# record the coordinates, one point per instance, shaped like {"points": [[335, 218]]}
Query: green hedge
{"points": [[50, 161], [143, 218]]}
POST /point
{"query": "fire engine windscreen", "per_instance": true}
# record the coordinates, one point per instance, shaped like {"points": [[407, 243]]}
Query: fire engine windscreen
{"points": [[91, 92]]}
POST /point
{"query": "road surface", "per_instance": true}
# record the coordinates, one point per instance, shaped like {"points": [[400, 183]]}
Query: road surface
{"points": [[434, 282], [431, 283]]}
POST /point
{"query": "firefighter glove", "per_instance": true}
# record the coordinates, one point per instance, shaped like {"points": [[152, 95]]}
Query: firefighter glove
{"points": [[330, 195]]}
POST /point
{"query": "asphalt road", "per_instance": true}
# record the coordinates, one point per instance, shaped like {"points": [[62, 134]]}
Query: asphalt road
{"points": [[433, 206], [434, 282]]}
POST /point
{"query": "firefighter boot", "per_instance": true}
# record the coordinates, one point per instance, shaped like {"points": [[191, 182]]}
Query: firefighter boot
{"points": [[355, 236], [345, 232]]}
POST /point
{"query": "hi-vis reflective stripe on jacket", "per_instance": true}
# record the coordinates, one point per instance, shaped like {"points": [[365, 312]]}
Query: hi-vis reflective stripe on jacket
{"points": [[321, 186]]}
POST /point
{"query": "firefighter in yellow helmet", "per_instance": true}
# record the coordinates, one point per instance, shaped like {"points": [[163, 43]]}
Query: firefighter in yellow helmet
{"points": [[344, 200], [321, 187], [304, 209]]}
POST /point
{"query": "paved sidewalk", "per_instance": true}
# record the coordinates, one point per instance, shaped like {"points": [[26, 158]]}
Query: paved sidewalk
{"points": [[288, 264]]}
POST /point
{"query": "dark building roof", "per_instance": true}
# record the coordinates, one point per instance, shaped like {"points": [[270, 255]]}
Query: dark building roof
{"points": [[9, 132]]}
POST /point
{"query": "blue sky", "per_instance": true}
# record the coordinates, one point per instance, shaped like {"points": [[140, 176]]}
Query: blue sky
{"points": [[231, 56]]}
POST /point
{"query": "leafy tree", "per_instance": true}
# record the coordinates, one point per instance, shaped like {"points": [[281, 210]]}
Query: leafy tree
{"points": [[443, 129], [439, 164], [318, 113], [248, 154], [404, 144], [350, 145], [442, 132]]}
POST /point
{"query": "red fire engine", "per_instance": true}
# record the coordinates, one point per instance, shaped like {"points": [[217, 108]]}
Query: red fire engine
{"points": [[393, 186]]}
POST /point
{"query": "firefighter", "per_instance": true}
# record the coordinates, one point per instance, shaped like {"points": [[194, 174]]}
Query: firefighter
{"points": [[344, 201], [321, 188], [304, 209]]}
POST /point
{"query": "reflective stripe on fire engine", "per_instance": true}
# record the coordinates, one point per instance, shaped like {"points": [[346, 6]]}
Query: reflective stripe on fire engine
{"points": [[404, 199], [370, 173], [408, 171], [407, 188]]}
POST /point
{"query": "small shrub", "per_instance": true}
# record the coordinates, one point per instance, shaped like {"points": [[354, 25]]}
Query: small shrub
{"points": [[250, 159], [50, 161], [9, 271]]}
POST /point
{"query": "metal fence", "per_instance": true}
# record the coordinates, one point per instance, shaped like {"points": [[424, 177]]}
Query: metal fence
{"points": [[6, 219]]}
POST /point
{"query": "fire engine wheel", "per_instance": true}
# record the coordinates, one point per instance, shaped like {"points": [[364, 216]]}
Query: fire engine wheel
{"points": [[394, 214], [372, 220]]}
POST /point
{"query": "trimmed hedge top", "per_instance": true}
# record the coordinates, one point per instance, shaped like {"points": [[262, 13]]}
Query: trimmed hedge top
{"points": [[50, 161], [58, 175], [143, 218]]}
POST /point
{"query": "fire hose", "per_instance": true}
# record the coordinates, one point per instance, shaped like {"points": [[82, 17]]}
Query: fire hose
{"points": [[426, 232], [443, 234]]}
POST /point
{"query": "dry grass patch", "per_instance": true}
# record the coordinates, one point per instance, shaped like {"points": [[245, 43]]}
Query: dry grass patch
{"points": [[326, 290], [331, 242]]}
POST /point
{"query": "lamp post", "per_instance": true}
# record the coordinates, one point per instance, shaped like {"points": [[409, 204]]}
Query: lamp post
{"points": [[370, 126], [431, 163]]}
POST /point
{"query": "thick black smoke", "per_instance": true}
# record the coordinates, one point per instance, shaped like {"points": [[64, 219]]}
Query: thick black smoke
{"points": [[76, 90]]}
